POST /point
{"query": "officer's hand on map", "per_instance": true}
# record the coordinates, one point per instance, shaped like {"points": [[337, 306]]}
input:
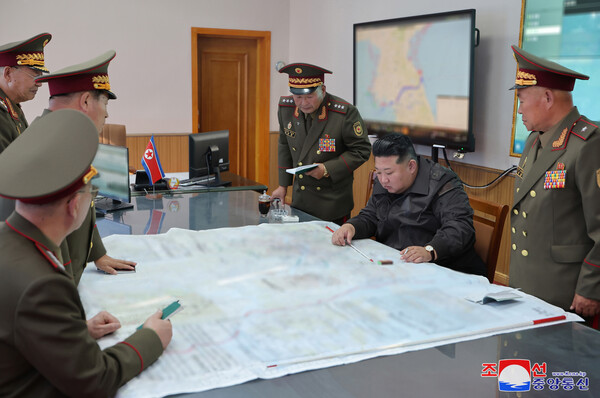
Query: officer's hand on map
{"points": [[111, 265], [343, 235], [279, 193], [102, 324], [585, 307], [318, 172], [163, 328]]}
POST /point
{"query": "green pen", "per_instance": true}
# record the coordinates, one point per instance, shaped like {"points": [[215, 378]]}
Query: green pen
{"points": [[168, 311]]}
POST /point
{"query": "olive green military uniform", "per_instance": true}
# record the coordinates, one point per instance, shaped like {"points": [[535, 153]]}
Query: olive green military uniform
{"points": [[555, 219], [12, 121], [337, 139], [45, 347], [82, 245]]}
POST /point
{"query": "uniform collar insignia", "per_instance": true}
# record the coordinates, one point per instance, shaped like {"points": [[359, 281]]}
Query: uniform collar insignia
{"points": [[561, 140], [323, 114]]}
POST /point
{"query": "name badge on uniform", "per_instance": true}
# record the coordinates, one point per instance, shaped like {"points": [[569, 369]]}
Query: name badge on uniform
{"points": [[327, 144], [556, 178]]}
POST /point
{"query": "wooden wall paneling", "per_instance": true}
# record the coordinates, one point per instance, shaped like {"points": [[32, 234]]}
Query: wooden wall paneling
{"points": [[172, 151]]}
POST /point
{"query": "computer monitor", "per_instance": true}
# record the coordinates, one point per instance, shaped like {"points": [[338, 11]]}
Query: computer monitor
{"points": [[112, 163], [209, 155]]}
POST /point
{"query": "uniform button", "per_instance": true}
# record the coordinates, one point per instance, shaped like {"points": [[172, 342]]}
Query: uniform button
{"points": [[318, 188], [318, 152], [513, 230], [524, 215], [525, 253], [516, 211], [525, 233], [294, 149], [301, 176], [299, 163], [518, 189], [303, 187], [514, 247], [532, 193]]}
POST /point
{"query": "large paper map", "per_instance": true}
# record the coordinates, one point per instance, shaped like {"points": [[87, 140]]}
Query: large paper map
{"points": [[268, 300]]}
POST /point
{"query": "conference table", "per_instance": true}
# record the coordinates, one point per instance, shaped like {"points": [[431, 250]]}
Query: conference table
{"points": [[564, 358]]}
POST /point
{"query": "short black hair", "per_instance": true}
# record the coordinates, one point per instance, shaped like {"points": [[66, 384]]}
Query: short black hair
{"points": [[395, 145]]}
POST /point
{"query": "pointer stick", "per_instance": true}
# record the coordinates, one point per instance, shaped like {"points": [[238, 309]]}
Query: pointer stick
{"points": [[354, 247]]}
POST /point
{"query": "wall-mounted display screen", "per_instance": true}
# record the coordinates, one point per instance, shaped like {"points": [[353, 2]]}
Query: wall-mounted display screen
{"points": [[415, 76]]}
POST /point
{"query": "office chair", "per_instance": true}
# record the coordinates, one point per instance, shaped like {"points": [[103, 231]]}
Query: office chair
{"points": [[370, 183], [488, 221]]}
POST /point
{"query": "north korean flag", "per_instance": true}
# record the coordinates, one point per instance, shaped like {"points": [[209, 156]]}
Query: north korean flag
{"points": [[151, 162]]}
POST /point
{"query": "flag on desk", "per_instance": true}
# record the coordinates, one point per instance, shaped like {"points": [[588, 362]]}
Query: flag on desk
{"points": [[154, 224], [151, 162]]}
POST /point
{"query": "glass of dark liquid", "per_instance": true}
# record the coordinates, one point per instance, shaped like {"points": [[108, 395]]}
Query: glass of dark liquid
{"points": [[264, 204]]}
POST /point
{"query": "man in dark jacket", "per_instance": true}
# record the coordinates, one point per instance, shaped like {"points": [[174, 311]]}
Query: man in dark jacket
{"points": [[417, 207]]}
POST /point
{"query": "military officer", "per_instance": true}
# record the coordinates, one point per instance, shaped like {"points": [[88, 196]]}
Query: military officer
{"points": [[20, 63], [85, 87], [556, 212], [316, 127], [45, 347]]}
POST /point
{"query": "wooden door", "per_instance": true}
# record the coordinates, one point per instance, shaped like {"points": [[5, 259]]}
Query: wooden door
{"points": [[230, 79]]}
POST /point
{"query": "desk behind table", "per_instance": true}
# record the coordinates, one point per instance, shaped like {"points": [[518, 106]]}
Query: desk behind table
{"points": [[238, 183]]}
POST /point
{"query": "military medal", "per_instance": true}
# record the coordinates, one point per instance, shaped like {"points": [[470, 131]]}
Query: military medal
{"points": [[327, 144], [556, 178]]}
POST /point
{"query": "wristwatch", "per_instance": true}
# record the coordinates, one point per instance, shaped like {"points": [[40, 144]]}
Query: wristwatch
{"points": [[429, 248], [325, 172]]}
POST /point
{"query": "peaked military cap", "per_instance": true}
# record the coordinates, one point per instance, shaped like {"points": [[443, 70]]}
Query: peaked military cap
{"points": [[87, 76], [29, 52], [537, 71], [304, 78], [51, 159]]}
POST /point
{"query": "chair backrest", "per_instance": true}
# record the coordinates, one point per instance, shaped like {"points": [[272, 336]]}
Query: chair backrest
{"points": [[488, 221], [113, 134], [370, 183]]}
